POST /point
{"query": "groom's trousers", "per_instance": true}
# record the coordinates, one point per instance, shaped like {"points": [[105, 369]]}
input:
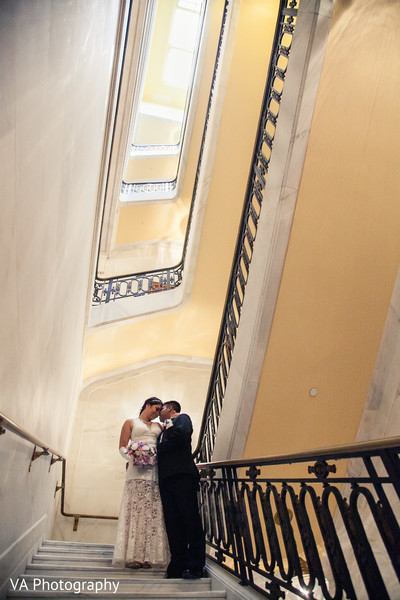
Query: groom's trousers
{"points": [[183, 524]]}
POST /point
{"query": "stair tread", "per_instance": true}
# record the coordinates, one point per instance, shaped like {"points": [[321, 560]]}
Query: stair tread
{"points": [[139, 581], [87, 564], [93, 575], [67, 555], [87, 568], [100, 561], [133, 595], [44, 556], [80, 544], [69, 550]]}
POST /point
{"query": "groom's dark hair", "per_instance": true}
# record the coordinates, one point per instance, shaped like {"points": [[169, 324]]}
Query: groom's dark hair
{"points": [[175, 405]]}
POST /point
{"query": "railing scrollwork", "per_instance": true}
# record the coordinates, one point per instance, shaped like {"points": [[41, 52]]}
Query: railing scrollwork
{"points": [[288, 532], [166, 279], [325, 536], [248, 229]]}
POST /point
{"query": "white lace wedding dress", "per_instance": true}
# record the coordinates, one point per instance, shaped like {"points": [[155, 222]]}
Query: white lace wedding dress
{"points": [[141, 535]]}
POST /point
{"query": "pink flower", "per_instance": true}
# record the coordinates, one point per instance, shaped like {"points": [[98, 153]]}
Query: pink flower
{"points": [[141, 453]]}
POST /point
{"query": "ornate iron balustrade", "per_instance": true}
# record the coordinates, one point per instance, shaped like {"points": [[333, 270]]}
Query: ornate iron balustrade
{"points": [[139, 284], [148, 188], [290, 527], [248, 229]]}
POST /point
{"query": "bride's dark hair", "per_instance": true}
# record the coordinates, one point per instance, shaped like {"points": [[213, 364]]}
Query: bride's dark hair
{"points": [[153, 401]]}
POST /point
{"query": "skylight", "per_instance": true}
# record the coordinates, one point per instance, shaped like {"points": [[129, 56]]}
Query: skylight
{"points": [[165, 92]]}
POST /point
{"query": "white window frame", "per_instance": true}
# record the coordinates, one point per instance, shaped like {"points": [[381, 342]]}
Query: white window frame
{"points": [[156, 191]]}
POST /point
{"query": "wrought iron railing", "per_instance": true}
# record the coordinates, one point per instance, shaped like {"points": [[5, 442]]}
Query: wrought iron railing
{"points": [[248, 228], [42, 450], [295, 525], [291, 527], [137, 285], [140, 284]]}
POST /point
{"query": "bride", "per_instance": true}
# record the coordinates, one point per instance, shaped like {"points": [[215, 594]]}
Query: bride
{"points": [[141, 538]]}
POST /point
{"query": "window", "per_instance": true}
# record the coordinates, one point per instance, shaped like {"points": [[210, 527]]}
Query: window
{"points": [[159, 125], [182, 46]]}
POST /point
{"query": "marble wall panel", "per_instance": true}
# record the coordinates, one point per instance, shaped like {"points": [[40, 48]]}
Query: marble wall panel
{"points": [[56, 62]]}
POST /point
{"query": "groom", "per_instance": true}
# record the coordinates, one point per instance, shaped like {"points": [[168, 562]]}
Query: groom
{"points": [[179, 483]]}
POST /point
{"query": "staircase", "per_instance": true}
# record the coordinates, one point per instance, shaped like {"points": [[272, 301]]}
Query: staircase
{"points": [[71, 570]]}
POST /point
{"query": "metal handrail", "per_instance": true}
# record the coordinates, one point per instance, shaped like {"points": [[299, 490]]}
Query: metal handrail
{"points": [[354, 449], [340, 451], [6, 423], [9, 425]]}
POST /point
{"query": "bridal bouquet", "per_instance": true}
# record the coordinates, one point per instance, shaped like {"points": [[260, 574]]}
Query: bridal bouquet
{"points": [[141, 453]]}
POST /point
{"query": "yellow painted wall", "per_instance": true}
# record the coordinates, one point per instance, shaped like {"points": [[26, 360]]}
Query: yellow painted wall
{"points": [[156, 168], [344, 249], [155, 221], [193, 330]]}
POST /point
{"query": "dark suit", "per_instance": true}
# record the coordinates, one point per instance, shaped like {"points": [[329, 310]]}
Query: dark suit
{"points": [[179, 482]]}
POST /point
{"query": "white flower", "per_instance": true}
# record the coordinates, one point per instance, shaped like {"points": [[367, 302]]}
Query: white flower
{"points": [[134, 445], [146, 447]]}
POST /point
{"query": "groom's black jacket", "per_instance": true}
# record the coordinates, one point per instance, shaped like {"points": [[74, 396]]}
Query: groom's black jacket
{"points": [[174, 449]]}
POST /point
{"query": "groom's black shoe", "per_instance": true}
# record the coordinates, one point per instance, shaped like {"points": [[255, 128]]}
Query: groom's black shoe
{"points": [[187, 574]]}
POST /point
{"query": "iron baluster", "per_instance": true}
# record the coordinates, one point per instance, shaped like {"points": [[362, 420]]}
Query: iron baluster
{"points": [[299, 563], [235, 517], [308, 539], [287, 533], [253, 199], [244, 530], [391, 461], [385, 518], [271, 533], [337, 560], [256, 538], [362, 549], [256, 522]]}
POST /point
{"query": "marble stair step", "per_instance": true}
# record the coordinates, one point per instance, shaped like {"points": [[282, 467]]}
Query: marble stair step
{"points": [[61, 570], [88, 545], [112, 583], [45, 553], [72, 559], [164, 595], [75, 550]]}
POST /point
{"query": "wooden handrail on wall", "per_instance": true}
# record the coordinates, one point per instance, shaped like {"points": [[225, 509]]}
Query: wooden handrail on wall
{"points": [[7, 424]]}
